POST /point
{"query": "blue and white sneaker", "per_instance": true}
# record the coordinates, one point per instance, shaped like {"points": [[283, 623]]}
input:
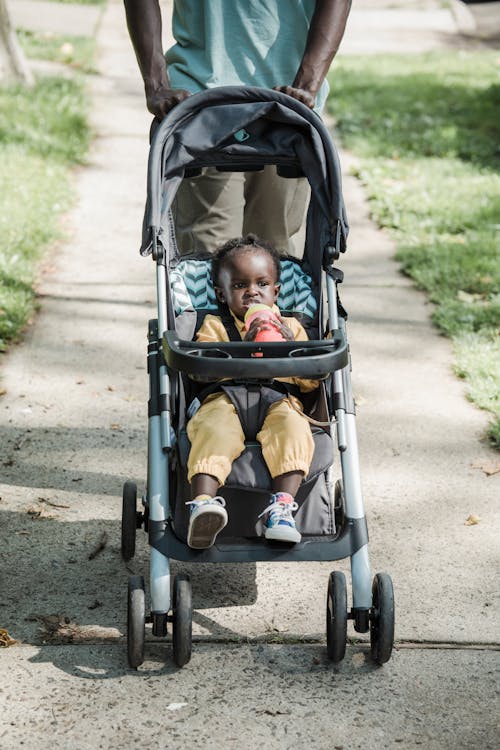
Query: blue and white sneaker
{"points": [[208, 517], [279, 523]]}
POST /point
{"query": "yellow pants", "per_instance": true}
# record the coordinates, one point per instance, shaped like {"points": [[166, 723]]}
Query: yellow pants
{"points": [[217, 439]]}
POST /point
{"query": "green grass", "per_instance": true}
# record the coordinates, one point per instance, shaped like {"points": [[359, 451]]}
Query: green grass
{"points": [[76, 51], [43, 132], [427, 131]]}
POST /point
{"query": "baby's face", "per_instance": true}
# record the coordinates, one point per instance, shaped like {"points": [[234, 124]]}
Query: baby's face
{"points": [[247, 279]]}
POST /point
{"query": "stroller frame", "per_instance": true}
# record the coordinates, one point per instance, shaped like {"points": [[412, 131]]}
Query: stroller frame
{"points": [[168, 355]]}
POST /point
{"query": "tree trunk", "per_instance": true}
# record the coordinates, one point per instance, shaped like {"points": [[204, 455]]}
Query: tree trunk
{"points": [[13, 66]]}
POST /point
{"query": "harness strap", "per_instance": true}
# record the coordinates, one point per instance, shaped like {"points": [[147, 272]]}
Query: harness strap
{"points": [[228, 322], [252, 401]]}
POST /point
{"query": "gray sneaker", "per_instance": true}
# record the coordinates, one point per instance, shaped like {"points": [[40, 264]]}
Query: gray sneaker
{"points": [[208, 517]]}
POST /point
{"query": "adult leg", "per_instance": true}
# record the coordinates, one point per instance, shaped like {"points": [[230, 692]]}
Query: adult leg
{"points": [[208, 210], [275, 208]]}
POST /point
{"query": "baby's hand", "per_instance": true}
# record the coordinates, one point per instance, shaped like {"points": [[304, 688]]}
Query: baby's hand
{"points": [[285, 331], [258, 324], [268, 324]]}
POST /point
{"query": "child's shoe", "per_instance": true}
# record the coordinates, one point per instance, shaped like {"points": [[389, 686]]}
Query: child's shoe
{"points": [[279, 523], [208, 517]]}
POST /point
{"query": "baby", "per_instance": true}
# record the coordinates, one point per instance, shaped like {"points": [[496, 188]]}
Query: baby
{"points": [[246, 272]]}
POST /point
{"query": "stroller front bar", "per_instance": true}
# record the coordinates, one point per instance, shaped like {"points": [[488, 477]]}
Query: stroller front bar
{"points": [[256, 361]]}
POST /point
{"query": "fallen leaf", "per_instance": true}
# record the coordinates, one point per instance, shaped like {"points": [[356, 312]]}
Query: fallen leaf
{"points": [[37, 511], [3, 391], [489, 467], [5, 639], [472, 520], [110, 388], [61, 629], [115, 426]]}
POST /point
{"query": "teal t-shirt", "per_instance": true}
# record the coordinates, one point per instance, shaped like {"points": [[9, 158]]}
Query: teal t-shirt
{"points": [[234, 42]]}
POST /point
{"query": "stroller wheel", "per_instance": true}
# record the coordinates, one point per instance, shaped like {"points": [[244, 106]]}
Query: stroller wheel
{"points": [[382, 618], [336, 617], [182, 620], [136, 620], [129, 520]]}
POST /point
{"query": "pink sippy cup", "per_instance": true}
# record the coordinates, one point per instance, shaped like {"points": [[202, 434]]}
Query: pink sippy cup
{"points": [[264, 313]]}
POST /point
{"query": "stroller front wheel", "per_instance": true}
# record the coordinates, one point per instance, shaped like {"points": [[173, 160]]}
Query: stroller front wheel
{"points": [[336, 616], [182, 620], [136, 621], [382, 618]]}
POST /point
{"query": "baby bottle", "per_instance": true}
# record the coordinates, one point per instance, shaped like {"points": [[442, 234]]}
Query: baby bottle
{"points": [[264, 313]]}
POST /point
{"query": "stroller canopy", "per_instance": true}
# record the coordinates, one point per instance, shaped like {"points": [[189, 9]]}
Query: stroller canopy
{"points": [[238, 129]]}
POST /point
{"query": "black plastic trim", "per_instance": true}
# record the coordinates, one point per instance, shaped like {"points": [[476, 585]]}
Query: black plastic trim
{"points": [[352, 536], [211, 361]]}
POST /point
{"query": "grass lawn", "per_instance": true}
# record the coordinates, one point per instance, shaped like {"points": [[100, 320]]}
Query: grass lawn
{"points": [[43, 134], [76, 51], [427, 131]]}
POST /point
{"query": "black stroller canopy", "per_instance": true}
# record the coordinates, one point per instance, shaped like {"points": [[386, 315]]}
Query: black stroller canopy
{"points": [[237, 129]]}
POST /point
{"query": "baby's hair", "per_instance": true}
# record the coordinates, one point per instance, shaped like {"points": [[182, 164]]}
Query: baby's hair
{"points": [[238, 244]]}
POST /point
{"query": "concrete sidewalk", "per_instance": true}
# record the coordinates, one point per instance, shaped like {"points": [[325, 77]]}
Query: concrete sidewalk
{"points": [[73, 427]]}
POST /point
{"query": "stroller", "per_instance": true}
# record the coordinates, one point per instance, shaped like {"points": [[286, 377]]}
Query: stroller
{"points": [[241, 129]]}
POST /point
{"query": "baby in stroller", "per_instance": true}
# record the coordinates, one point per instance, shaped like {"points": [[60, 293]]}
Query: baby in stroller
{"points": [[245, 272]]}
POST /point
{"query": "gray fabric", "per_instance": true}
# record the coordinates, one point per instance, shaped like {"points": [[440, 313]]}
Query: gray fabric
{"points": [[200, 132], [248, 489]]}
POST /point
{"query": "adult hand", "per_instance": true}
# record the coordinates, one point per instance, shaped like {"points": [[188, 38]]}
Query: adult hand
{"points": [[297, 93], [161, 100]]}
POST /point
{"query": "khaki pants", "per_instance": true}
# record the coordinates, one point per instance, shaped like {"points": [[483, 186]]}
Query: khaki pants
{"points": [[217, 439], [213, 208]]}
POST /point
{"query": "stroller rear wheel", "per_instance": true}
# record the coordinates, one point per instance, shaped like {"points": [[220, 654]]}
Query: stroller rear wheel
{"points": [[182, 620], [129, 520], [336, 616], [136, 621], [382, 618]]}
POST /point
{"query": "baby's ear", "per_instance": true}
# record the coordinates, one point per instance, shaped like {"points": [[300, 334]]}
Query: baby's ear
{"points": [[219, 294], [277, 288]]}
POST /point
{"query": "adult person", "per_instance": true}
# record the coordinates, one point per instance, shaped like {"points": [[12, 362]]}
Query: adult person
{"points": [[286, 45]]}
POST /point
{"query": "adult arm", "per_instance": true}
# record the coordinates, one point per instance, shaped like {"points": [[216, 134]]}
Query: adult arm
{"points": [[323, 40], [144, 26]]}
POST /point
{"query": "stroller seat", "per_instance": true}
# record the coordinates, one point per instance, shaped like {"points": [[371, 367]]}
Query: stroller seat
{"points": [[248, 487]]}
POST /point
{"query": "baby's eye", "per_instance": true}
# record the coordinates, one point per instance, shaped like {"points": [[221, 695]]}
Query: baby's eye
{"points": [[263, 283], [238, 285]]}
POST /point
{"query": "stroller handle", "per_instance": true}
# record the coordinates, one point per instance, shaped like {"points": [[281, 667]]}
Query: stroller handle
{"points": [[255, 361]]}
